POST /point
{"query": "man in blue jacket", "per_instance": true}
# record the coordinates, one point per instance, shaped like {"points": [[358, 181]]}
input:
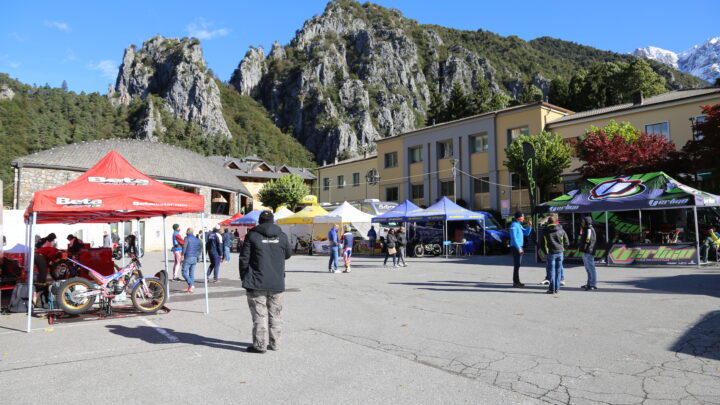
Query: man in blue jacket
{"points": [[334, 245], [190, 251], [214, 247], [517, 235]]}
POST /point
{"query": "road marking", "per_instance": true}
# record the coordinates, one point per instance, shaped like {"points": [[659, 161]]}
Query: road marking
{"points": [[169, 336]]}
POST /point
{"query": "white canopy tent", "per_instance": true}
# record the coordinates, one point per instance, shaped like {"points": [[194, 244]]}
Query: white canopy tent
{"points": [[281, 213], [345, 214]]}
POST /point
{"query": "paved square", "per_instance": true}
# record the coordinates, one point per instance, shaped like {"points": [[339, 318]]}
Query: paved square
{"points": [[438, 331]]}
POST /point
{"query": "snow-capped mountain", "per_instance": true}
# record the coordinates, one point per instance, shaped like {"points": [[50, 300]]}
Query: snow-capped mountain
{"points": [[702, 61]]}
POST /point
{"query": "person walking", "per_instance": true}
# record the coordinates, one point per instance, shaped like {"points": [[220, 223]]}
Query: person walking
{"points": [[588, 238], [347, 247], [401, 238], [214, 248], [390, 248], [262, 271], [372, 238], [517, 235], [191, 248], [227, 240], [334, 245], [107, 243], [177, 249], [554, 243]]}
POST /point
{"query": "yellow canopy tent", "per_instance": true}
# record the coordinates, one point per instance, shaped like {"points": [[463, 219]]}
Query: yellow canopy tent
{"points": [[304, 216]]}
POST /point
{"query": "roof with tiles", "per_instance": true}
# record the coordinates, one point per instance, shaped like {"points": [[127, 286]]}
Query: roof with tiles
{"points": [[254, 167]]}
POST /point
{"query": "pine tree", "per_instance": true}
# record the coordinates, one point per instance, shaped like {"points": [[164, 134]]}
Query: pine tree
{"points": [[436, 110], [458, 105], [480, 98], [64, 86], [530, 93]]}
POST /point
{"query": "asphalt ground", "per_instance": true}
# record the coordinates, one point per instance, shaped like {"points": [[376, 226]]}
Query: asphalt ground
{"points": [[438, 331]]}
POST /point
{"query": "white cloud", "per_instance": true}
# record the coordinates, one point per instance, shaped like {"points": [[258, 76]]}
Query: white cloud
{"points": [[70, 55], [15, 65], [107, 68], [57, 24], [203, 29]]}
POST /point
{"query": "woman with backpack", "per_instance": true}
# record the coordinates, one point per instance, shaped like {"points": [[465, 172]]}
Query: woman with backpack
{"points": [[391, 248]]}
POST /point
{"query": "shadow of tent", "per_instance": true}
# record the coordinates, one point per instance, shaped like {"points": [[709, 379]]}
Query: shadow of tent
{"points": [[150, 335], [706, 283], [702, 339]]}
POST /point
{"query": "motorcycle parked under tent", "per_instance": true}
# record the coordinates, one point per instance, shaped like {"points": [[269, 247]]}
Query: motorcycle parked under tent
{"points": [[110, 191]]}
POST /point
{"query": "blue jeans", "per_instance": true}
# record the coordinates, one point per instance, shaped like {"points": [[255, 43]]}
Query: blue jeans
{"points": [[547, 269], [517, 261], [589, 262], [215, 261], [188, 270], [227, 254], [555, 261], [333, 264]]}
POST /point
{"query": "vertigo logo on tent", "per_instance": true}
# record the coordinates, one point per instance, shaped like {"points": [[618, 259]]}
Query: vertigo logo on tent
{"points": [[124, 181], [85, 202], [616, 188]]}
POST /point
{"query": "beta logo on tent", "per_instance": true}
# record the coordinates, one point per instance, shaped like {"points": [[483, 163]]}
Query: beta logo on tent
{"points": [[85, 202], [616, 188], [123, 181]]}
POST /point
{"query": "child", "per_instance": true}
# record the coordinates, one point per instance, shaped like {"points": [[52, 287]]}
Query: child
{"points": [[347, 245]]}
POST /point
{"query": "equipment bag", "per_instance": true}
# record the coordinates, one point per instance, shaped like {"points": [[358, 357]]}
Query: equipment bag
{"points": [[19, 298]]}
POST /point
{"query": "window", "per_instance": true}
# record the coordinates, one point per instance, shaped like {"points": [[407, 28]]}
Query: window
{"points": [[479, 143], [415, 154], [445, 149], [697, 133], [356, 179], [340, 181], [661, 128], [513, 133], [392, 193], [481, 185], [326, 184], [517, 183], [391, 160], [417, 191], [447, 188]]}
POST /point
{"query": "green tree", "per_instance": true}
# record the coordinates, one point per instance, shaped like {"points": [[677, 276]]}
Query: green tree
{"points": [[288, 190], [458, 105], [552, 157], [498, 101], [436, 110], [638, 76], [558, 92], [602, 85], [530, 93], [480, 97]]}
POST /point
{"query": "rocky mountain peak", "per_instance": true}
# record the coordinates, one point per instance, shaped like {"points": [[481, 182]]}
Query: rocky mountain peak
{"points": [[701, 61], [174, 70]]}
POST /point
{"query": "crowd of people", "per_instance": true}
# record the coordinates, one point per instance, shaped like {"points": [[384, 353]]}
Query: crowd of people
{"points": [[187, 252]]}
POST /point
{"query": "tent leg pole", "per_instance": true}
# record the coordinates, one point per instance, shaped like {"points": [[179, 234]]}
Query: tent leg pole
{"points": [[641, 228], [607, 238], [122, 242], [446, 238], [202, 244], [484, 237], [573, 226], [30, 274], [697, 236], [537, 240], [167, 279]]}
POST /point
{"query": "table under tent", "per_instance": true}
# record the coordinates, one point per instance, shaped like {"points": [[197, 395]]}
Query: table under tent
{"points": [[110, 191], [648, 219]]}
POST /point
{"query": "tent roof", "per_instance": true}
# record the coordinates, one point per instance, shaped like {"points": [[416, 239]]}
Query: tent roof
{"points": [[345, 213], [646, 191], [251, 218], [111, 191], [228, 221], [283, 212], [398, 214], [304, 216], [445, 210]]}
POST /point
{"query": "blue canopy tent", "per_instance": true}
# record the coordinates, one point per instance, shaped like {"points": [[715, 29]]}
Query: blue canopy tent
{"points": [[445, 210], [250, 219], [398, 214]]}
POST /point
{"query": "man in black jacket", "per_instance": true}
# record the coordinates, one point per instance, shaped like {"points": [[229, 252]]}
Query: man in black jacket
{"points": [[587, 247], [262, 271], [554, 242]]}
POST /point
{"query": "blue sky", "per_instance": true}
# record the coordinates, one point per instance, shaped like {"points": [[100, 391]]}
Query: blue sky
{"points": [[83, 41]]}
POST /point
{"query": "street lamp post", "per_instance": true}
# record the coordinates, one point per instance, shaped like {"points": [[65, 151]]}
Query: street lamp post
{"points": [[370, 178]]}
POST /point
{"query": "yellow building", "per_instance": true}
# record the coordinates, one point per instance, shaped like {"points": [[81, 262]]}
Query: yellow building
{"points": [[349, 180], [671, 114]]}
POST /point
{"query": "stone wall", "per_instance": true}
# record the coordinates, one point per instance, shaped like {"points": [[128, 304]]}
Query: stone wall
{"points": [[33, 179]]}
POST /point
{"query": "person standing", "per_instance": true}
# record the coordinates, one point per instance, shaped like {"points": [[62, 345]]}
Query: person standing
{"points": [[214, 248], [227, 240], [334, 244], [347, 246], [390, 248], [401, 237], [517, 235], [588, 238], [554, 243], [177, 249], [74, 245], [262, 271], [115, 238], [372, 237], [190, 252], [107, 243]]}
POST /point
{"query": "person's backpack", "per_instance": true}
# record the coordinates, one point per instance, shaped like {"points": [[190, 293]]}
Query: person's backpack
{"points": [[19, 298], [162, 275]]}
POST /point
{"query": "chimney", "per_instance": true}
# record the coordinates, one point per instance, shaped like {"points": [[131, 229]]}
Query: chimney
{"points": [[638, 98], [324, 162], [336, 159]]}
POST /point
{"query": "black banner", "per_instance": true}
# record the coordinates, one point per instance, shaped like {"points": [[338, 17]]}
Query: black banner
{"points": [[679, 253], [530, 167]]}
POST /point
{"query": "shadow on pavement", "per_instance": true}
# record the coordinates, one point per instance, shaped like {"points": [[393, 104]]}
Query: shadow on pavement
{"points": [[698, 283], [702, 339], [150, 335]]}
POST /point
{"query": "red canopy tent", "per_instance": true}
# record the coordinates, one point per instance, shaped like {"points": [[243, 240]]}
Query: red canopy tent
{"points": [[227, 221], [111, 191]]}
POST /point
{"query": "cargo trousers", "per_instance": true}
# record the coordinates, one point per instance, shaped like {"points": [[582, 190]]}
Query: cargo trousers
{"points": [[266, 310]]}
